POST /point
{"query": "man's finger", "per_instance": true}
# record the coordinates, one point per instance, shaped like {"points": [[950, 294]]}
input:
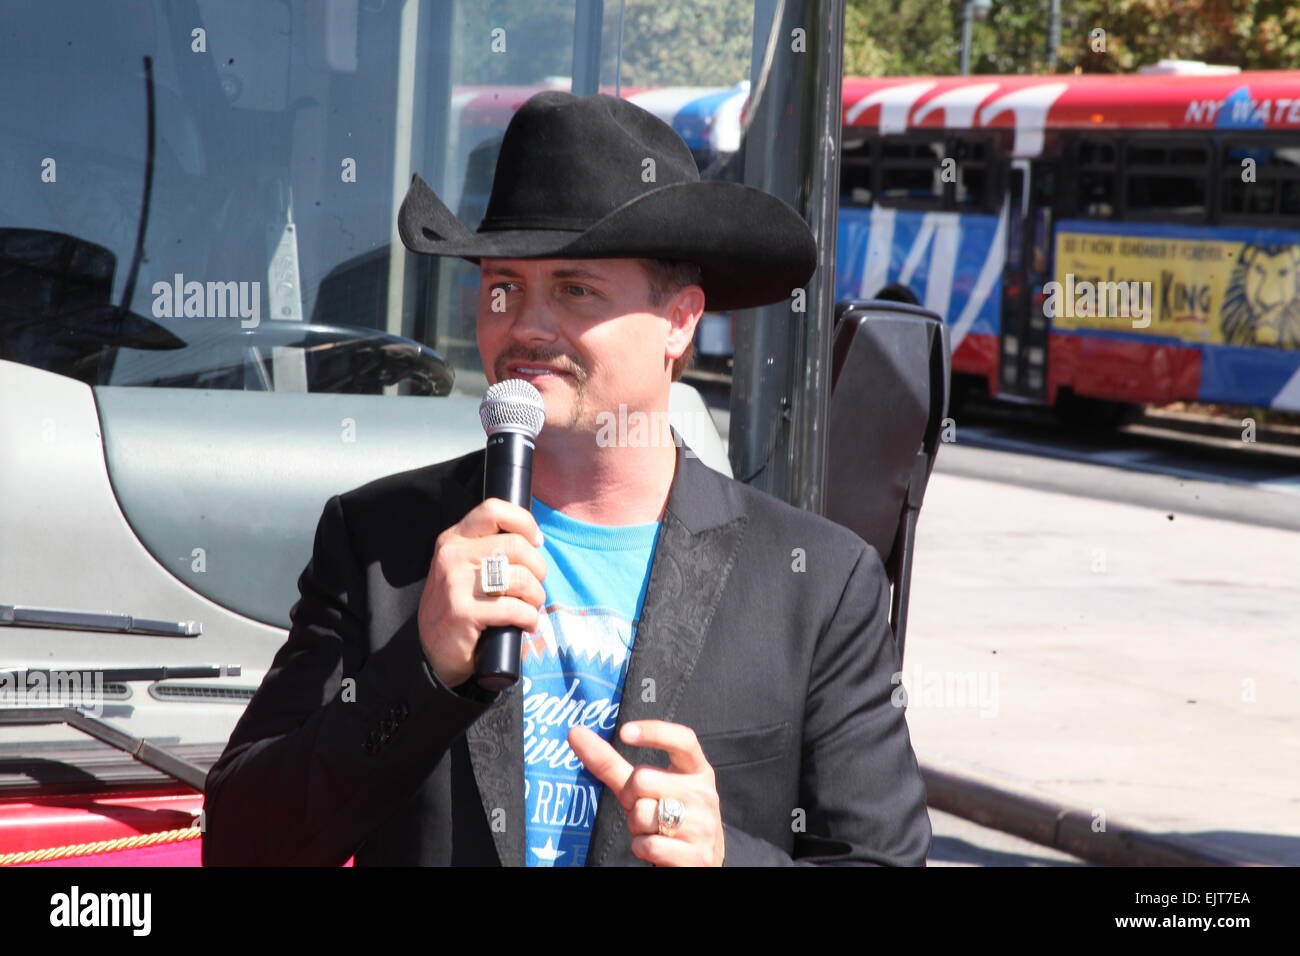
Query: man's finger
{"points": [[666, 851], [600, 758], [678, 740], [651, 783], [643, 818], [495, 515]]}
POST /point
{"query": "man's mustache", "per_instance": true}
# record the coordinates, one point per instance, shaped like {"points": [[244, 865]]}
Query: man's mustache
{"points": [[556, 359]]}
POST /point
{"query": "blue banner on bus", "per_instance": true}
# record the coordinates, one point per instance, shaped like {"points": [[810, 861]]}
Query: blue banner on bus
{"points": [[951, 261]]}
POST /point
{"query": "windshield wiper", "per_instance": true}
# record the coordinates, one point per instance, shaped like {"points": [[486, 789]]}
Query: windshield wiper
{"points": [[150, 755], [122, 674], [137, 254], [18, 615]]}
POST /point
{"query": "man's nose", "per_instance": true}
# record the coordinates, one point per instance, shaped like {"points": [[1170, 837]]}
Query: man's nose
{"points": [[532, 318]]}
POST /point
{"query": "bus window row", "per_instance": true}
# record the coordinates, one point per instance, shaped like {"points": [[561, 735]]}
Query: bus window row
{"points": [[1185, 178], [920, 172], [1142, 176]]}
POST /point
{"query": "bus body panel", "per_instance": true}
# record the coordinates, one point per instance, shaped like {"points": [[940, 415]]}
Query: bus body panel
{"points": [[1248, 100], [1224, 280], [1118, 370], [951, 262], [1224, 303]]}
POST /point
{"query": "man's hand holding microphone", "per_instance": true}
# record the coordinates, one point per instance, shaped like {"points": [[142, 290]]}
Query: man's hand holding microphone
{"points": [[454, 609]]}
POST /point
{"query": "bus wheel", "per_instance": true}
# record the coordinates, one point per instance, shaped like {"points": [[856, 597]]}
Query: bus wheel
{"points": [[965, 390], [1092, 414]]}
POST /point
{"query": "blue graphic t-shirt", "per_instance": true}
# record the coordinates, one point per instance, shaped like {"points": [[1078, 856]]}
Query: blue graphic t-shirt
{"points": [[573, 670]]}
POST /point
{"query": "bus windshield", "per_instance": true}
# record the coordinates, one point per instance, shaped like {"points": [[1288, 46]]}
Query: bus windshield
{"points": [[198, 208], [204, 194]]}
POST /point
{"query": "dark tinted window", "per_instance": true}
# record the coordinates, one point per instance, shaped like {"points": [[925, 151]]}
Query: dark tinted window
{"points": [[1166, 180], [1152, 154], [1259, 180], [856, 187], [1096, 176], [911, 171], [952, 173], [1290, 198], [972, 186], [1162, 194], [1093, 152]]}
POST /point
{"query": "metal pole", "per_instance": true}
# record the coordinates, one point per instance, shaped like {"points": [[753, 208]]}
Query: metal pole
{"points": [[967, 14], [588, 19], [1053, 33], [781, 384]]}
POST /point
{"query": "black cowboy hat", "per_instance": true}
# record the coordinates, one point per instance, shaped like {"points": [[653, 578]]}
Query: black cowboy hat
{"points": [[597, 177], [55, 312]]}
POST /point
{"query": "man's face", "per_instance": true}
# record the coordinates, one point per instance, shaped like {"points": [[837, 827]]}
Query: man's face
{"points": [[584, 332]]}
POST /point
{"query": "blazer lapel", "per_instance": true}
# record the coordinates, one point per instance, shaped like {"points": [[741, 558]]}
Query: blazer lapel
{"points": [[495, 740], [698, 542], [496, 749]]}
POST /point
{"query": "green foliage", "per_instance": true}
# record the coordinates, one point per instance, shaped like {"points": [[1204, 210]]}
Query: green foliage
{"points": [[900, 38], [537, 37], [913, 37], [708, 42], [703, 43]]}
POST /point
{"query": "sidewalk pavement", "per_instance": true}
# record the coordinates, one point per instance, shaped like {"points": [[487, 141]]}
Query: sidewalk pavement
{"points": [[1107, 679]]}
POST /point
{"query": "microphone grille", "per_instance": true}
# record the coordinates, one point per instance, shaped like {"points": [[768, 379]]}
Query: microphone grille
{"points": [[512, 405]]}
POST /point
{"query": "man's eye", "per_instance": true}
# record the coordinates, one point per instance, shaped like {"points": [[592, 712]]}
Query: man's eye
{"points": [[581, 291]]}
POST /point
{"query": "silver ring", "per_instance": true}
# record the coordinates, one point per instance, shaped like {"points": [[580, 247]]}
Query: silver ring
{"points": [[671, 812], [494, 574]]}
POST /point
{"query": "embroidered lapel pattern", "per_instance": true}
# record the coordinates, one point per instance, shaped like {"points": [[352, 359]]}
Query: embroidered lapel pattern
{"points": [[496, 748], [687, 578]]}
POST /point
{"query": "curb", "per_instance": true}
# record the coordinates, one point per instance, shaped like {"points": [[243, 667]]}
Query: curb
{"points": [[1061, 827], [1285, 436]]}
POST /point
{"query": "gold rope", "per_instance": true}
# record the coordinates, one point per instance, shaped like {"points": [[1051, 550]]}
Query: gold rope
{"points": [[103, 846]]}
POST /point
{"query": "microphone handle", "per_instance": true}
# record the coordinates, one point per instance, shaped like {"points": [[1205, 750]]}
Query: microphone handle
{"points": [[508, 475]]}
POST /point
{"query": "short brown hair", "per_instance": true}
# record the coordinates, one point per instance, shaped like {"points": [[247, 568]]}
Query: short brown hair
{"points": [[667, 278]]}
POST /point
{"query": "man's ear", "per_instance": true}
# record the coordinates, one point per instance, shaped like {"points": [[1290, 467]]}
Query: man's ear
{"points": [[684, 315]]}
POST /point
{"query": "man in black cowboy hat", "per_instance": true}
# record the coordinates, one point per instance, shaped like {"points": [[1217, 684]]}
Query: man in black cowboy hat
{"points": [[689, 697]]}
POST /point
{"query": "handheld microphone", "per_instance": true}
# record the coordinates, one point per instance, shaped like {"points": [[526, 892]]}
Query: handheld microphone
{"points": [[512, 413]]}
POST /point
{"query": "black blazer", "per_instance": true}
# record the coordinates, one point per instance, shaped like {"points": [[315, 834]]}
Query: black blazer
{"points": [[781, 664]]}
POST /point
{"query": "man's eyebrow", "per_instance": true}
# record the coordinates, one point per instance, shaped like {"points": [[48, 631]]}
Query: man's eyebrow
{"points": [[573, 272], [577, 272]]}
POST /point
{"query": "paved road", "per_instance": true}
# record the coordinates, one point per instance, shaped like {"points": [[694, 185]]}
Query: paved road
{"points": [[1209, 477], [1191, 457], [1114, 625], [1213, 477], [1134, 659]]}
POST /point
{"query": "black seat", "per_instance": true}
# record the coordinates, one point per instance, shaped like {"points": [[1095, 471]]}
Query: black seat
{"points": [[890, 379]]}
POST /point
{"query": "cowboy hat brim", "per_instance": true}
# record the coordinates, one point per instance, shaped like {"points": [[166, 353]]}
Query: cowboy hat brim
{"points": [[752, 248]]}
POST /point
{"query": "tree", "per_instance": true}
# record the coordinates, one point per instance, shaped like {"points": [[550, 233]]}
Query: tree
{"points": [[697, 44], [918, 38]]}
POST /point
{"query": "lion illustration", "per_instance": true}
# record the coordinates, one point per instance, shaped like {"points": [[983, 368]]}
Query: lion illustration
{"points": [[1262, 304]]}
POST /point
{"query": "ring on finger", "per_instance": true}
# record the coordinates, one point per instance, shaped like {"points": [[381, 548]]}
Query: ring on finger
{"points": [[494, 574], [670, 813]]}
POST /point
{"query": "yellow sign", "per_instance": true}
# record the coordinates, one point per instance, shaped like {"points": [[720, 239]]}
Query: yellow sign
{"points": [[1199, 290]]}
